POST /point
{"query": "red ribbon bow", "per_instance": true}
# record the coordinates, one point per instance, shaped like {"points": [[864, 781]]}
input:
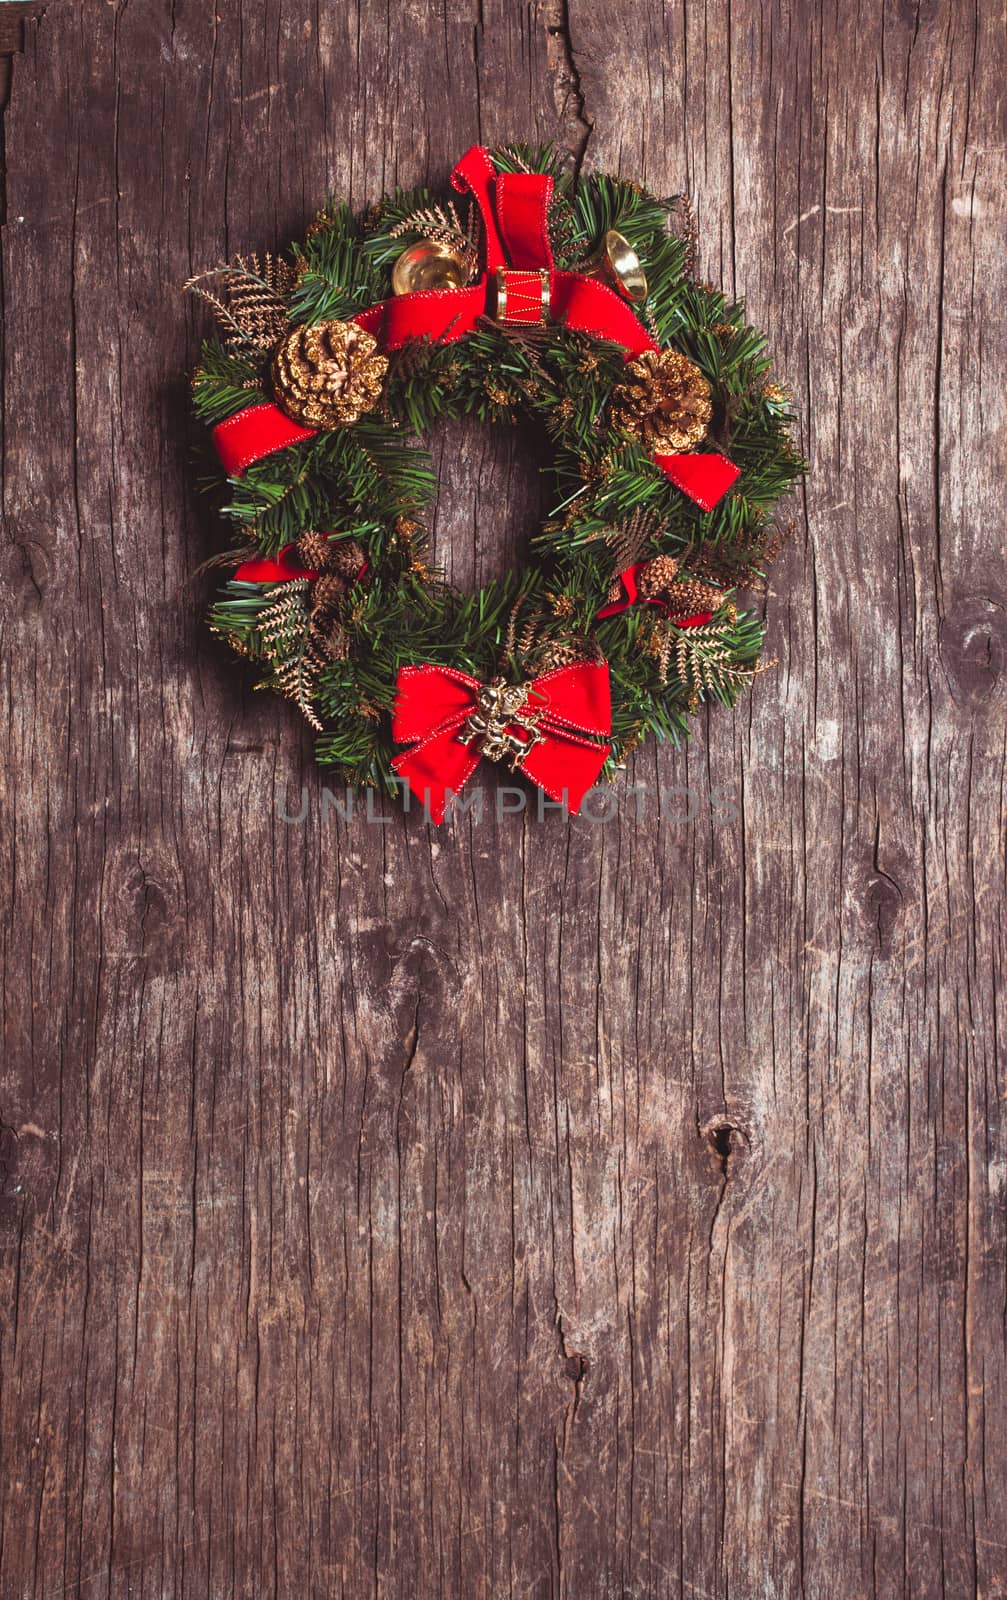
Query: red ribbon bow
{"points": [[514, 208], [548, 729]]}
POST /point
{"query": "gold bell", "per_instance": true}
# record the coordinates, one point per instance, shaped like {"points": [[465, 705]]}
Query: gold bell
{"points": [[618, 262], [428, 265]]}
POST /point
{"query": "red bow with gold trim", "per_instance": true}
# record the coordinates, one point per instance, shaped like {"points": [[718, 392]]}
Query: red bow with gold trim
{"points": [[549, 729], [519, 283]]}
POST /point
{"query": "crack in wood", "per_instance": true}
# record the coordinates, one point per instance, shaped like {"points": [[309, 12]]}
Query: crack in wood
{"points": [[568, 90]]}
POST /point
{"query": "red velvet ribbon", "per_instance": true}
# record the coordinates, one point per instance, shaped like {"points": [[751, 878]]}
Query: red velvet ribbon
{"points": [[704, 479], [254, 433], [514, 208], [571, 707], [630, 580]]}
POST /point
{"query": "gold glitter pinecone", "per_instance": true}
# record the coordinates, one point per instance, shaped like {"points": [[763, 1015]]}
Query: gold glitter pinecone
{"points": [[685, 598], [657, 575], [664, 402], [328, 374]]}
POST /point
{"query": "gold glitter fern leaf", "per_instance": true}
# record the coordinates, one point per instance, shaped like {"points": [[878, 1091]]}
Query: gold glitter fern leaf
{"points": [[297, 678], [287, 641], [442, 225], [249, 298], [703, 658]]}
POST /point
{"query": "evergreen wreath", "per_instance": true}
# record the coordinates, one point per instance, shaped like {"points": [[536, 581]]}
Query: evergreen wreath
{"points": [[573, 303]]}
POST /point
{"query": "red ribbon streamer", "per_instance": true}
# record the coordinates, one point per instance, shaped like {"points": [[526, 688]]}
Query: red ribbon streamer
{"points": [[266, 570], [254, 433], [704, 479], [514, 208], [286, 566], [630, 580], [571, 708]]}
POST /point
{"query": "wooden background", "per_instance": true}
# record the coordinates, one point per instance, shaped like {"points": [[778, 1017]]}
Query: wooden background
{"points": [[600, 1212]]}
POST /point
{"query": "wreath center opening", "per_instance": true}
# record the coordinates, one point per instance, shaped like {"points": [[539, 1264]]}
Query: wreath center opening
{"points": [[494, 490]]}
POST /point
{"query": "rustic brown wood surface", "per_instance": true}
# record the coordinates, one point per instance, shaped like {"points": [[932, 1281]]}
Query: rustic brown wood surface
{"points": [[526, 1210]]}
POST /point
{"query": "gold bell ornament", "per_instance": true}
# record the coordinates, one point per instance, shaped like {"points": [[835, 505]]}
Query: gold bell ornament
{"points": [[429, 265], [618, 263]]}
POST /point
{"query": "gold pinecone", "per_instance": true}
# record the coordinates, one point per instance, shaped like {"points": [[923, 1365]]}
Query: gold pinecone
{"points": [[313, 549], [328, 374], [657, 575], [665, 402], [689, 596]]}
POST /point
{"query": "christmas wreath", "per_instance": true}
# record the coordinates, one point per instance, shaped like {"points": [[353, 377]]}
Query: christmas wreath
{"points": [[573, 303]]}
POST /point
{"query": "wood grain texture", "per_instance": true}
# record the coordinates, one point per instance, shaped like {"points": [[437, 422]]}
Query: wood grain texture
{"points": [[527, 1210]]}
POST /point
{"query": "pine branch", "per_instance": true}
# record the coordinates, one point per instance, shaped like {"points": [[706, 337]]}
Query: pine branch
{"points": [[336, 276], [224, 382]]}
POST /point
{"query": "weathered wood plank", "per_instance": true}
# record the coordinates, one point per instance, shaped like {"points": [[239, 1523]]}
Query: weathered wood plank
{"points": [[531, 1210], [12, 15]]}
